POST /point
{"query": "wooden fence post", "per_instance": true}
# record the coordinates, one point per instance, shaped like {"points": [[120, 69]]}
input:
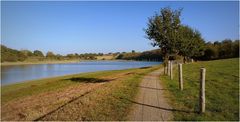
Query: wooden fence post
{"points": [[165, 68], [202, 90], [168, 68], [171, 70], [180, 76]]}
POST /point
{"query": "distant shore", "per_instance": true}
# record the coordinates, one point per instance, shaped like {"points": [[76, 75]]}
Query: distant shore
{"points": [[52, 62], [39, 62]]}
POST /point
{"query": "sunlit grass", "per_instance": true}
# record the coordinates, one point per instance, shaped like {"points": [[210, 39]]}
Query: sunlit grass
{"points": [[222, 90], [111, 101]]}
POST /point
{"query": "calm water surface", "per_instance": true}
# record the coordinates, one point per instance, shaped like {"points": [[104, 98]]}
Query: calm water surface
{"points": [[18, 73]]}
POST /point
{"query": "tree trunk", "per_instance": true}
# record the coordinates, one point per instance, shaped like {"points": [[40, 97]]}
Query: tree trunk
{"points": [[184, 59], [165, 63]]}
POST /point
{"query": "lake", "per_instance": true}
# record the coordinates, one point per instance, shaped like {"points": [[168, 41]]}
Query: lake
{"points": [[18, 73]]}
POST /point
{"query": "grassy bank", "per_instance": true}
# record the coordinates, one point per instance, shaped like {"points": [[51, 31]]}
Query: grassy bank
{"points": [[87, 96], [222, 91]]}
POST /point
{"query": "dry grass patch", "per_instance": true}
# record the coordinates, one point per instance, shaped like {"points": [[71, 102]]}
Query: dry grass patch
{"points": [[89, 96]]}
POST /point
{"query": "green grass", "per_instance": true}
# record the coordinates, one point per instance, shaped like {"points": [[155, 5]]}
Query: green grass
{"points": [[117, 101], [222, 91], [109, 102], [28, 88]]}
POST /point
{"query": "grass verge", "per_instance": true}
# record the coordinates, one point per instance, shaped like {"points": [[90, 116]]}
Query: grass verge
{"points": [[222, 91], [116, 103]]}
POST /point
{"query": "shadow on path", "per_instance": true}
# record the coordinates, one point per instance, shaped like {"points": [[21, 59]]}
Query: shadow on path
{"points": [[167, 109], [151, 88]]}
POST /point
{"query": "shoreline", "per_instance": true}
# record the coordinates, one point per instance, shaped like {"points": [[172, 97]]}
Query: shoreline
{"points": [[39, 62], [51, 62]]}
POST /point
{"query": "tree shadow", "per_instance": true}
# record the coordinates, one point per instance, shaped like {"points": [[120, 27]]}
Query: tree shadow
{"points": [[221, 73], [151, 88], [189, 79], [130, 73], [144, 67], [62, 106], [167, 109], [88, 80], [158, 107]]}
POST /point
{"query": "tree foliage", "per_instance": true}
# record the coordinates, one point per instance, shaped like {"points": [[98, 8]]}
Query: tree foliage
{"points": [[190, 44], [166, 31], [220, 50], [38, 53], [26, 53], [153, 55], [50, 55], [11, 55], [163, 30]]}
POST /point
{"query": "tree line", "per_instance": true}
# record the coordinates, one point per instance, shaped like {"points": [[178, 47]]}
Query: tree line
{"points": [[153, 55], [174, 39], [211, 51], [12, 55], [220, 50]]}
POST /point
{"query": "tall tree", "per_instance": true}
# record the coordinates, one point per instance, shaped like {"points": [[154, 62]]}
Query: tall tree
{"points": [[190, 43], [163, 31], [173, 38]]}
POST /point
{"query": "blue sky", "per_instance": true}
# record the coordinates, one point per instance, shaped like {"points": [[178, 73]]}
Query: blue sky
{"points": [[80, 27]]}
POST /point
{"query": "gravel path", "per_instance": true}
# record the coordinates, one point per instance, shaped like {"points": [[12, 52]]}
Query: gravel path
{"points": [[151, 104]]}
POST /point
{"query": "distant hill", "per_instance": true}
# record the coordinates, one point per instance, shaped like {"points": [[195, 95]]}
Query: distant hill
{"points": [[11, 55]]}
